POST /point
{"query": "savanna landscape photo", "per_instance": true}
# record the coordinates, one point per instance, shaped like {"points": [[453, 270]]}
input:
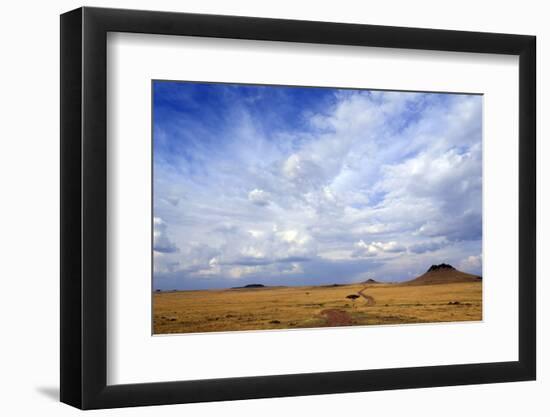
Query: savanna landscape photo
{"points": [[280, 207]]}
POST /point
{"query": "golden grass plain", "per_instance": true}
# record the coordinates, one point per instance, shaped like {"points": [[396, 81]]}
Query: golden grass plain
{"points": [[305, 307]]}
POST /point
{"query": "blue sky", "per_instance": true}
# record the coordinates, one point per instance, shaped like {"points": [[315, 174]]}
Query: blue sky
{"points": [[305, 186]]}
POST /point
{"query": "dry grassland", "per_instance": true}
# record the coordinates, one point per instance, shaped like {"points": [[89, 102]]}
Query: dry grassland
{"points": [[306, 307]]}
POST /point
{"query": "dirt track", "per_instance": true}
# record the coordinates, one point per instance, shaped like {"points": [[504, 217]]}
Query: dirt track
{"points": [[337, 317], [369, 299]]}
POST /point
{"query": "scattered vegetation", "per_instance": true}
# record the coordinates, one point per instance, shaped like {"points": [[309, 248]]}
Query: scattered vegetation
{"points": [[352, 297]]}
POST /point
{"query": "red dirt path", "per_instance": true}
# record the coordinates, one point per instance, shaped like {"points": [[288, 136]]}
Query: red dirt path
{"points": [[337, 317], [368, 298]]}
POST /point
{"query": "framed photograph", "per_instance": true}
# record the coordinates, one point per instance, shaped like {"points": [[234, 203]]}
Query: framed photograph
{"points": [[257, 208]]}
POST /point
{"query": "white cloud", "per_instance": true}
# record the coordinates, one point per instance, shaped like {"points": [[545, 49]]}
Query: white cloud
{"points": [[363, 249], [472, 264], [303, 172], [161, 242], [258, 197], [163, 263]]}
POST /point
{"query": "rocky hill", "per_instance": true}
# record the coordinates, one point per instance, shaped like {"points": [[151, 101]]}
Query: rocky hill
{"points": [[443, 274]]}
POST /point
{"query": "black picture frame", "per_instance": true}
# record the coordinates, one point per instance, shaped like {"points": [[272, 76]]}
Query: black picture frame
{"points": [[84, 207]]}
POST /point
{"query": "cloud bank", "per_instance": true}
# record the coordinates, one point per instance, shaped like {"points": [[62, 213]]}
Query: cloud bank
{"points": [[297, 186]]}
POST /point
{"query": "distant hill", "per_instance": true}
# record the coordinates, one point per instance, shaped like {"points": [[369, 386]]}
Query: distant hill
{"points": [[371, 281], [443, 274], [249, 286]]}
